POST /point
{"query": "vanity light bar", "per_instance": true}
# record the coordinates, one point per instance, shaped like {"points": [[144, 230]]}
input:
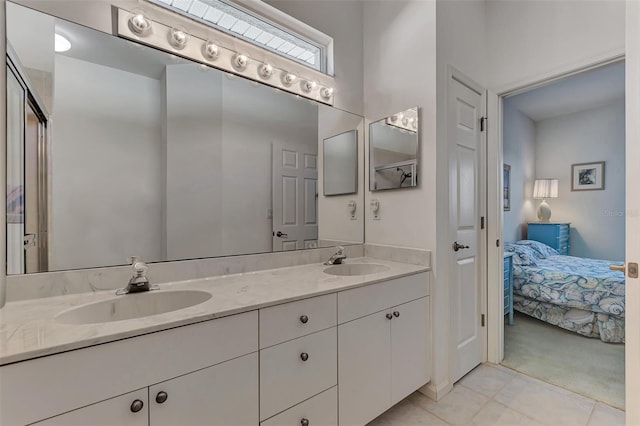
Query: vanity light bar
{"points": [[405, 120], [176, 40]]}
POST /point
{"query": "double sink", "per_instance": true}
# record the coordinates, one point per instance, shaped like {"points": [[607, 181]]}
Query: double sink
{"points": [[139, 305]]}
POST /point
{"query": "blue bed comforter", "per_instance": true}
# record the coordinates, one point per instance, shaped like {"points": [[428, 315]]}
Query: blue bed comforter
{"points": [[574, 282]]}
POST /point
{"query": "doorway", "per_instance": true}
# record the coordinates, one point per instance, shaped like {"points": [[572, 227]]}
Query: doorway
{"points": [[564, 330]]}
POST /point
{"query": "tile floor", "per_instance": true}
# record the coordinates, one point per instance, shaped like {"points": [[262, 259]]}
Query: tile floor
{"points": [[495, 395]]}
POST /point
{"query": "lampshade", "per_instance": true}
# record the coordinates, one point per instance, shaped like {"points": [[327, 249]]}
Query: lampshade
{"points": [[545, 188]]}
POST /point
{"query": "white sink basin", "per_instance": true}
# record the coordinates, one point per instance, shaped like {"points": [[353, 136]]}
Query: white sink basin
{"points": [[351, 269], [135, 305]]}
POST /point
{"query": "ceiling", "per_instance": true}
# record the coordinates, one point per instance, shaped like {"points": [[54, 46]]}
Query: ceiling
{"points": [[586, 90]]}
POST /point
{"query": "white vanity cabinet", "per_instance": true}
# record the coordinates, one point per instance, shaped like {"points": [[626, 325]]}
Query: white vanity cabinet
{"points": [[300, 364], [383, 346], [203, 367]]}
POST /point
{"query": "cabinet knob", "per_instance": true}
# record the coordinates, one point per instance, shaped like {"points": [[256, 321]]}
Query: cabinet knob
{"points": [[136, 406], [304, 319], [396, 314], [304, 422], [304, 356], [161, 397], [389, 316]]}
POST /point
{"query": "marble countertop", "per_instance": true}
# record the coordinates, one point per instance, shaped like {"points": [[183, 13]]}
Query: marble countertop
{"points": [[29, 329]]}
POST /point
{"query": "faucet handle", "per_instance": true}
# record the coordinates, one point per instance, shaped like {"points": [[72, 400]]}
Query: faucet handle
{"points": [[340, 250], [138, 266]]}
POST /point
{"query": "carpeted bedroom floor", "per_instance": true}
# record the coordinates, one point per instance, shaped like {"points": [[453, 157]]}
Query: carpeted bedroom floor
{"points": [[583, 365]]}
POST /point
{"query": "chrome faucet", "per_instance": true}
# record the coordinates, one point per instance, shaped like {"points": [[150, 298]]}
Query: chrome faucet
{"points": [[138, 282], [337, 257]]}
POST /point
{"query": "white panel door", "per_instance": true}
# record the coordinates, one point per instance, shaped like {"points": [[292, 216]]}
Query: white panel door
{"points": [[465, 150], [225, 394], [295, 200], [632, 217], [131, 409], [364, 373]]}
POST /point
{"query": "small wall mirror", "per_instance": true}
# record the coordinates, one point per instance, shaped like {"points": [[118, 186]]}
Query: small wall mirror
{"points": [[393, 148], [340, 163]]}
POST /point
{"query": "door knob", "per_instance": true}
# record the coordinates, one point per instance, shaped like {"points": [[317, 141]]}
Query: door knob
{"points": [[136, 406], [281, 234], [304, 356], [304, 319], [161, 397], [457, 246], [632, 272], [622, 268]]}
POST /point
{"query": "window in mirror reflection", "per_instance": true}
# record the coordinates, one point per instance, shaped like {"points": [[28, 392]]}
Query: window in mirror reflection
{"points": [[159, 157], [393, 145], [340, 163]]}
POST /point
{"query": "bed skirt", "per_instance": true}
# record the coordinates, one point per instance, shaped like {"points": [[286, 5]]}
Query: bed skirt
{"points": [[609, 328]]}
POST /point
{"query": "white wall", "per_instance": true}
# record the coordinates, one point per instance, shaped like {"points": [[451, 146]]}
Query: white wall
{"points": [[597, 217], [3, 150], [341, 20], [105, 160], [519, 151], [531, 40]]}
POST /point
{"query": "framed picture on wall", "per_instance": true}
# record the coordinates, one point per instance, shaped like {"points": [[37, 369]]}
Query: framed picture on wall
{"points": [[506, 187], [587, 176]]}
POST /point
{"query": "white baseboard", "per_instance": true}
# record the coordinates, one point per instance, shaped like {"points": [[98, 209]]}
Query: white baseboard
{"points": [[436, 392]]}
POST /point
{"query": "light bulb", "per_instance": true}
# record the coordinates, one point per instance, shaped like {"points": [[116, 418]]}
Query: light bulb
{"points": [[210, 50], [326, 92], [240, 61], [61, 43], [139, 24], [308, 86], [265, 71], [178, 38], [288, 79]]}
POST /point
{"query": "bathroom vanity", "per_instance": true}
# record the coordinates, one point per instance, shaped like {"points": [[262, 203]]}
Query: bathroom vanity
{"points": [[271, 347]]}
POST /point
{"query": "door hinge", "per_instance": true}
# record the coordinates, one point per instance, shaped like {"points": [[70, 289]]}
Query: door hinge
{"points": [[482, 222], [482, 320], [483, 123]]}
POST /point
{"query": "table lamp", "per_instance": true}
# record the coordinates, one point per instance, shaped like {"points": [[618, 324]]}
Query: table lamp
{"points": [[543, 189]]}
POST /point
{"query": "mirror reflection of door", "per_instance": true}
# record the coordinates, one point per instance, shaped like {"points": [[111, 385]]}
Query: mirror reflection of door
{"points": [[295, 196], [26, 168]]}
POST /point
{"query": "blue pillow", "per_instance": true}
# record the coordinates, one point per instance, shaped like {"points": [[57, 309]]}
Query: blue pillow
{"points": [[542, 250], [523, 255]]}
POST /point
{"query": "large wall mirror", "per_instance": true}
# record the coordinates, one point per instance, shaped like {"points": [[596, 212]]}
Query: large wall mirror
{"points": [[117, 149], [393, 150]]}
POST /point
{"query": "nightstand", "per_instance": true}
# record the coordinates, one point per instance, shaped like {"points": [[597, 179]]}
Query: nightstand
{"points": [[554, 235], [508, 286]]}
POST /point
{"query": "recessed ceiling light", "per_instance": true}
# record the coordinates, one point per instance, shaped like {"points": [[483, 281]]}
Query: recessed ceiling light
{"points": [[61, 44]]}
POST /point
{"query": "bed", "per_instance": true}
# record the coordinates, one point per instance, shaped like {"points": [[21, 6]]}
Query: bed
{"points": [[577, 294]]}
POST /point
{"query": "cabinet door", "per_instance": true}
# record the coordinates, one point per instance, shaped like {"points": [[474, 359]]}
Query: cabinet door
{"points": [[225, 394], [364, 373], [410, 348], [130, 409]]}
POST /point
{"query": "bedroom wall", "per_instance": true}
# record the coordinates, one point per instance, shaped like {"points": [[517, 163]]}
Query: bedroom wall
{"points": [[597, 217], [519, 150]]}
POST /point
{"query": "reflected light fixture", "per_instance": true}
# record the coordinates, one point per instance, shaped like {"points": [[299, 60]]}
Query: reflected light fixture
{"points": [[240, 61], [61, 44], [288, 79], [543, 189], [265, 71]]}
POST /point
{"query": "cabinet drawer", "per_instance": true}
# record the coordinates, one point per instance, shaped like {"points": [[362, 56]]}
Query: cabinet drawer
{"points": [[362, 301], [108, 370], [296, 319], [321, 410], [114, 411], [286, 379]]}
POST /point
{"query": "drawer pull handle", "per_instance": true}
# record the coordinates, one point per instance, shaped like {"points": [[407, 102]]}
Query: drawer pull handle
{"points": [[161, 397], [304, 319], [396, 314], [389, 316], [136, 406], [304, 356], [304, 422]]}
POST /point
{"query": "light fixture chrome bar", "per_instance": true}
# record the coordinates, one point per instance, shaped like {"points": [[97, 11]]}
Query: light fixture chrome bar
{"points": [[141, 29]]}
